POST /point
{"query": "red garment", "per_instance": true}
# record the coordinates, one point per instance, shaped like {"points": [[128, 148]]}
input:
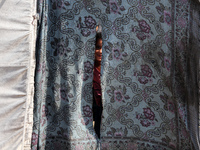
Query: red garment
{"points": [[97, 86]]}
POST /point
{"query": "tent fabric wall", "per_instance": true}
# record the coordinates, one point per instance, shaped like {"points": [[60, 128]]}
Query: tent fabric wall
{"points": [[145, 77], [59, 125], [17, 66]]}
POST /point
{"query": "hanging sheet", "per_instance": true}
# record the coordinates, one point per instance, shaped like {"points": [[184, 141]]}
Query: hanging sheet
{"points": [[149, 74], [17, 46]]}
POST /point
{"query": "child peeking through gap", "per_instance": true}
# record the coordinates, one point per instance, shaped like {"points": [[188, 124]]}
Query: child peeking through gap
{"points": [[97, 100]]}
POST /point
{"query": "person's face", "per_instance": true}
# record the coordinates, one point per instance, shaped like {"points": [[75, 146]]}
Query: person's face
{"points": [[98, 51]]}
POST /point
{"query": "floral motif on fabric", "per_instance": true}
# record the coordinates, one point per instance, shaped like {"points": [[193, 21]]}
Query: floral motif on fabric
{"points": [[116, 51], [145, 76], [118, 94], [113, 6], [60, 47], [60, 4], [87, 71], [144, 30], [88, 26], [147, 118]]}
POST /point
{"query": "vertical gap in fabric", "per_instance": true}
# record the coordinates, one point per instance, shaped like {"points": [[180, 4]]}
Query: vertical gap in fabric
{"points": [[102, 54], [102, 62], [97, 92]]}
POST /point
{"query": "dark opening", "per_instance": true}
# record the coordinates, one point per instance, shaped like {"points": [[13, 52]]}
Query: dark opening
{"points": [[97, 95]]}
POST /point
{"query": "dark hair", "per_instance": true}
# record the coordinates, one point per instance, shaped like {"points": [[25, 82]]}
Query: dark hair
{"points": [[98, 36]]}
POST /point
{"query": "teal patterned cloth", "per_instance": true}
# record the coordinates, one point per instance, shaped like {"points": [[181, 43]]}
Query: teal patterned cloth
{"points": [[149, 76]]}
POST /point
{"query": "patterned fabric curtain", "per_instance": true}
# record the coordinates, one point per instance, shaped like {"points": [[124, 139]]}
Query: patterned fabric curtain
{"points": [[149, 74]]}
